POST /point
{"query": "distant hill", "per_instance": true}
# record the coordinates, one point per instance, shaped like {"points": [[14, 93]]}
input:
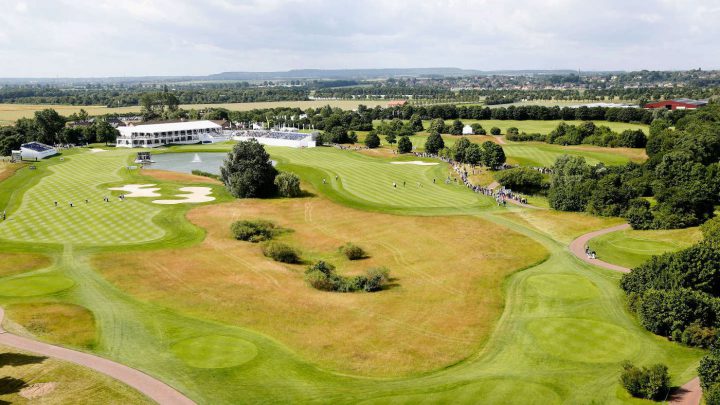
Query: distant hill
{"points": [[312, 74]]}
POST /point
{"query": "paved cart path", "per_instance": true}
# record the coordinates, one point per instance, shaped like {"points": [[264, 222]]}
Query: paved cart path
{"points": [[151, 387], [691, 392]]}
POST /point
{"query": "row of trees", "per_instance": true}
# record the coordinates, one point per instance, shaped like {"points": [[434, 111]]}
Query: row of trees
{"points": [[48, 127], [585, 133]]}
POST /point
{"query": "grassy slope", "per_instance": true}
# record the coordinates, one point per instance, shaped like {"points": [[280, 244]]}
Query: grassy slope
{"points": [[630, 248], [560, 338]]}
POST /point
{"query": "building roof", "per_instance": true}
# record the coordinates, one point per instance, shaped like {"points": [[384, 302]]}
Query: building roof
{"points": [[36, 146], [174, 126], [690, 101], [396, 103]]}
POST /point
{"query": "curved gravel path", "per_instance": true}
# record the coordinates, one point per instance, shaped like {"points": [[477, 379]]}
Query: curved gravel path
{"points": [[578, 248], [691, 392], [154, 389]]}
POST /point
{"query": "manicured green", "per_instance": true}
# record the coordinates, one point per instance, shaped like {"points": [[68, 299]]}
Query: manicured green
{"points": [[36, 285], [630, 248], [561, 338], [214, 351]]}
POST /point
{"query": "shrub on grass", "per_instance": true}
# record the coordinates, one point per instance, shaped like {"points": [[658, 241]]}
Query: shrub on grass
{"points": [[352, 251], [322, 276], [648, 383], [253, 231], [281, 252], [495, 131], [287, 184]]}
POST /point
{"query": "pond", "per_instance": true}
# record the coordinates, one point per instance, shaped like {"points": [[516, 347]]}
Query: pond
{"points": [[187, 162]]}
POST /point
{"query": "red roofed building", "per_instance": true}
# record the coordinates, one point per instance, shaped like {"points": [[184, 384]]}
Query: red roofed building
{"points": [[397, 103], [678, 104]]}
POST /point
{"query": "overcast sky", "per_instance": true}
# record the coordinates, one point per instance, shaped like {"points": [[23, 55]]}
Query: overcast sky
{"points": [[81, 38]]}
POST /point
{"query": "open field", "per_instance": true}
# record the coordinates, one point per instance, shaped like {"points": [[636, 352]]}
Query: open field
{"points": [[50, 381], [630, 247], [10, 113], [213, 318], [439, 312]]}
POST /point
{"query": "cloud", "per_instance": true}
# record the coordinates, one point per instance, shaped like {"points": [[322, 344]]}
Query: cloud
{"points": [[184, 37]]}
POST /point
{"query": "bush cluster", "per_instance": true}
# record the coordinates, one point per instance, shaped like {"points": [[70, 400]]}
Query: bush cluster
{"points": [[281, 252], [648, 383], [287, 185], [352, 251], [522, 179], [254, 231], [322, 276]]}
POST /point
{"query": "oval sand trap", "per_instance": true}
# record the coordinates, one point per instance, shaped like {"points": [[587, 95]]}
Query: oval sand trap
{"points": [[214, 351], [138, 190], [583, 340], [193, 195], [414, 162], [34, 285]]}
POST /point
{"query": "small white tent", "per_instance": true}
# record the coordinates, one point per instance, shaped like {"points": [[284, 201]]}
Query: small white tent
{"points": [[467, 130]]}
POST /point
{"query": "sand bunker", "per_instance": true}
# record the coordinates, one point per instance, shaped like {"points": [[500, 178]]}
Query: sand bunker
{"points": [[97, 150], [37, 390], [194, 195], [138, 190], [415, 162]]}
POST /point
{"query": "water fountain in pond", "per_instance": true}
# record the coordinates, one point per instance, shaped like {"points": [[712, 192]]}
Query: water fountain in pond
{"points": [[196, 159]]}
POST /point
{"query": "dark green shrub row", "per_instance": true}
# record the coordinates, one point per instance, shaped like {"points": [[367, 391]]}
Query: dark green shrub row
{"points": [[322, 276]]}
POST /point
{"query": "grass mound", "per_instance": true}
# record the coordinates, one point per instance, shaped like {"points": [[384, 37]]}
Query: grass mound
{"points": [[35, 285], [214, 351]]}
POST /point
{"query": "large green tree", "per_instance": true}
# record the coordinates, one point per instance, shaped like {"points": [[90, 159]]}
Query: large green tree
{"points": [[248, 172], [434, 143], [404, 145]]}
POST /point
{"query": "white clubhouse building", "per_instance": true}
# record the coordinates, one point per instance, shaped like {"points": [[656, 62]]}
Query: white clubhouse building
{"points": [[178, 133]]}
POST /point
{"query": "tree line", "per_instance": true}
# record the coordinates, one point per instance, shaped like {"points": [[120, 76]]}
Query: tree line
{"points": [[48, 127], [678, 186], [585, 133]]}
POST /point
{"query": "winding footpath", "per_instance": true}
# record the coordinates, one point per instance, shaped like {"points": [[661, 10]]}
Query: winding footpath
{"points": [[154, 389], [691, 392]]}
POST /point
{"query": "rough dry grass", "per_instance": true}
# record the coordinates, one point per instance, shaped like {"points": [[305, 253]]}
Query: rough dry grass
{"points": [[630, 247], [66, 324], [14, 263], [165, 175], [7, 169], [446, 274], [73, 384], [562, 226]]}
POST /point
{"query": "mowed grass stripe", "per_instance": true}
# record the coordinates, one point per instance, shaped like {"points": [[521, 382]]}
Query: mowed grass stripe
{"points": [[79, 177], [371, 179]]}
